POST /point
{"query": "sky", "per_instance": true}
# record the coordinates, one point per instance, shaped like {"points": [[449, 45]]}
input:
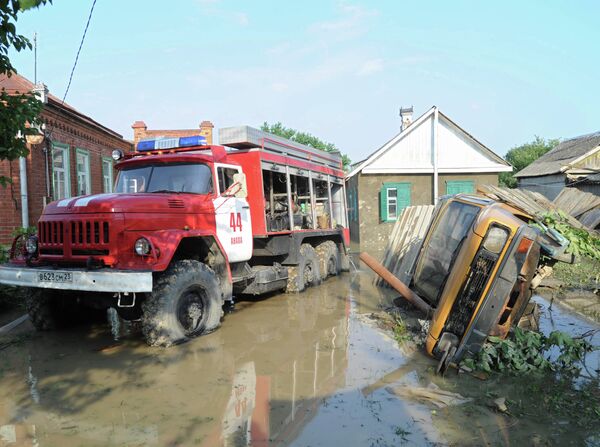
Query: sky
{"points": [[504, 71]]}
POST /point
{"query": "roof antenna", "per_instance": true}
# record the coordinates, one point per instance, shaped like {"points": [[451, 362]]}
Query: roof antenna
{"points": [[35, 58]]}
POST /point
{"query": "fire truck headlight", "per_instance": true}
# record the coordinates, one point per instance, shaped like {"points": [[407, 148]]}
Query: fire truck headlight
{"points": [[495, 239], [117, 154], [142, 246], [31, 245]]}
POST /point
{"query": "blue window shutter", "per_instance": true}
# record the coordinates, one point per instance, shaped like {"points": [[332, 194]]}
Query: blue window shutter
{"points": [[383, 211]]}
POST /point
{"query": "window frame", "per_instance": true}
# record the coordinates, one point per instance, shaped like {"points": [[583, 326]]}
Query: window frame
{"points": [[384, 213], [85, 152], [224, 166], [111, 172], [65, 148]]}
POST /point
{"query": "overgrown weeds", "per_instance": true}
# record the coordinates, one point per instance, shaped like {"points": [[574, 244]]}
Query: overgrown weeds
{"points": [[401, 331], [582, 275]]}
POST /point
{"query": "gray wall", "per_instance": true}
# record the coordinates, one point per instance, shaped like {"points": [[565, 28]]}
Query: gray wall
{"points": [[547, 185]]}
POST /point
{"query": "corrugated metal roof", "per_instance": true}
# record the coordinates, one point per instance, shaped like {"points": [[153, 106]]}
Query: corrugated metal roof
{"points": [[569, 150]]}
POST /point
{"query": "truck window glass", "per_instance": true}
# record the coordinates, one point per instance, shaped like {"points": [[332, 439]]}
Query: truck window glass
{"points": [[225, 178], [192, 178], [434, 267]]}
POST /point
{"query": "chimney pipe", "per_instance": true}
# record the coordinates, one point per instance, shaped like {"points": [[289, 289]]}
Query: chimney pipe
{"points": [[406, 117]]}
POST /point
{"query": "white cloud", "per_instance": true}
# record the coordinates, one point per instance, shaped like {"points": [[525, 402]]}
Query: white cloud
{"points": [[370, 67], [279, 87], [213, 8], [242, 18], [352, 20]]}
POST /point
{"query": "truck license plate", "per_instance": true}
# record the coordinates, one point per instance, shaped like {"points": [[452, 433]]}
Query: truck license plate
{"points": [[55, 277]]}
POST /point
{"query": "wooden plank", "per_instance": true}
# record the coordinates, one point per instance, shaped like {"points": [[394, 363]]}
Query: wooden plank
{"points": [[405, 243]]}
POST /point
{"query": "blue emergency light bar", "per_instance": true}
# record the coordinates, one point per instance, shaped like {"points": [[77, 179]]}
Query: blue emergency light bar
{"points": [[157, 144]]}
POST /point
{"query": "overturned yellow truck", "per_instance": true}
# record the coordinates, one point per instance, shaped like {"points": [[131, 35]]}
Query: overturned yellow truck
{"points": [[476, 267]]}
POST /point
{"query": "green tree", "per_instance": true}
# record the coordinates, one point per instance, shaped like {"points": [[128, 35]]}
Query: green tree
{"points": [[304, 138], [522, 156], [18, 112]]}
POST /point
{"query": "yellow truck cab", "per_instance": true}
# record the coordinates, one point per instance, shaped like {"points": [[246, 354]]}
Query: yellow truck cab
{"points": [[475, 269]]}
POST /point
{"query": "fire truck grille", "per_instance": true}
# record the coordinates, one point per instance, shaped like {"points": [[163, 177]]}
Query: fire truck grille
{"points": [[85, 237], [89, 232], [51, 233], [470, 294]]}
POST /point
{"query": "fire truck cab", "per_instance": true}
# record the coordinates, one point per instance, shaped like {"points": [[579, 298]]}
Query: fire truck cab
{"points": [[188, 227]]}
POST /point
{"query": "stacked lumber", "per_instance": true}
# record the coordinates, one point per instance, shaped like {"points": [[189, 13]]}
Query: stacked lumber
{"points": [[584, 206], [532, 203], [405, 242]]}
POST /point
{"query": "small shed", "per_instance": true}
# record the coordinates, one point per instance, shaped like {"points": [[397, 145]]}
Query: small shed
{"points": [[428, 158], [573, 163]]}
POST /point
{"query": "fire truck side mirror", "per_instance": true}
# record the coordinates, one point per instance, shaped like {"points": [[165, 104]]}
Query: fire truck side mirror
{"points": [[242, 191]]}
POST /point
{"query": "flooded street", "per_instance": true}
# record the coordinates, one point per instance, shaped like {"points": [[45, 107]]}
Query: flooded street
{"points": [[307, 370]]}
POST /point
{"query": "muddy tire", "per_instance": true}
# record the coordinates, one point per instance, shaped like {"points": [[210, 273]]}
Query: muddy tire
{"points": [[185, 302], [329, 259], [54, 309], [306, 273]]}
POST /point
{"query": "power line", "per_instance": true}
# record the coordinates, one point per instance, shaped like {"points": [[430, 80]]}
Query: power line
{"points": [[79, 51]]}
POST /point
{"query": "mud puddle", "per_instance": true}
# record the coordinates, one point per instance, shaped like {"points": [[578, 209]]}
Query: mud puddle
{"points": [[306, 370]]}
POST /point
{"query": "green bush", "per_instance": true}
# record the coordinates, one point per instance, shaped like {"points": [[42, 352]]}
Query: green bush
{"points": [[527, 352]]}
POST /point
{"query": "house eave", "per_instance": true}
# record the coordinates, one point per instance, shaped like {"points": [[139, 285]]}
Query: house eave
{"points": [[485, 170]]}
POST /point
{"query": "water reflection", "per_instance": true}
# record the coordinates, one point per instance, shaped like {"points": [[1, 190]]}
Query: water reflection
{"points": [[256, 381], [307, 369]]}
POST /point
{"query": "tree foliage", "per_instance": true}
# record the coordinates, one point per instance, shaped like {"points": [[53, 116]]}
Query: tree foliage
{"points": [[522, 156], [303, 138], [18, 112], [526, 352]]}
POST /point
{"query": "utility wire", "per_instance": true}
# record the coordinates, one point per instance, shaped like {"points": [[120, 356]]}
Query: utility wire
{"points": [[79, 51]]}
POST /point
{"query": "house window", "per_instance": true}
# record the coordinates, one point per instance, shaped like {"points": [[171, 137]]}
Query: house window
{"points": [[107, 174], [460, 186], [83, 172], [61, 178], [394, 198]]}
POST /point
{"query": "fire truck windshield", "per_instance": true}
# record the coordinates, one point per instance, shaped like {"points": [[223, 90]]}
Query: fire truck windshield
{"points": [[192, 178]]}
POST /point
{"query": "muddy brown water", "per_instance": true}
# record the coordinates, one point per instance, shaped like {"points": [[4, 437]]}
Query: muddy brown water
{"points": [[311, 369]]}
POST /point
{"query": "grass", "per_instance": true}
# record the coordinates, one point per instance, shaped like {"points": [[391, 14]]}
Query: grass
{"points": [[401, 332], [583, 275]]}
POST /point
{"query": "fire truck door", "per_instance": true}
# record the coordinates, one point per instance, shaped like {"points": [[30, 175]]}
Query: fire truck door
{"points": [[234, 228]]}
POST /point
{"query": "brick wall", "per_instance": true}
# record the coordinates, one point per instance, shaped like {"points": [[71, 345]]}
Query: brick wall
{"points": [[68, 129], [141, 131]]}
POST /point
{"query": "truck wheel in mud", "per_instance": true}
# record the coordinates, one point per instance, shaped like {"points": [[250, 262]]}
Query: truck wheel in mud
{"points": [[329, 259], [185, 302], [306, 273], [57, 309]]}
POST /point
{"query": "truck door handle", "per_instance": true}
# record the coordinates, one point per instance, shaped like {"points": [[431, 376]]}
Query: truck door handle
{"points": [[246, 207]]}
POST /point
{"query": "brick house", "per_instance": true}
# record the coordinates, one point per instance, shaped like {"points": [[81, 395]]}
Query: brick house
{"points": [[73, 158], [430, 157], [141, 131]]}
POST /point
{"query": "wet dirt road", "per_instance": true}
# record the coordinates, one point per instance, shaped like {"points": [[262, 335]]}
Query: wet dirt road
{"points": [[306, 370]]}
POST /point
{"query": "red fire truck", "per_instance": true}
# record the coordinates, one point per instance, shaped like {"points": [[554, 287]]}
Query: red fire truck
{"points": [[188, 227]]}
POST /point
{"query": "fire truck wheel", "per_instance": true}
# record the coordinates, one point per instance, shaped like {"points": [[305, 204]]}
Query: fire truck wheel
{"points": [[329, 259], [49, 310], [185, 302], [306, 273]]}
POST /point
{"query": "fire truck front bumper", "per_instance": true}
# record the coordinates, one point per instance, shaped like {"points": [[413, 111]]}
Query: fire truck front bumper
{"points": [[101, 280]]}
